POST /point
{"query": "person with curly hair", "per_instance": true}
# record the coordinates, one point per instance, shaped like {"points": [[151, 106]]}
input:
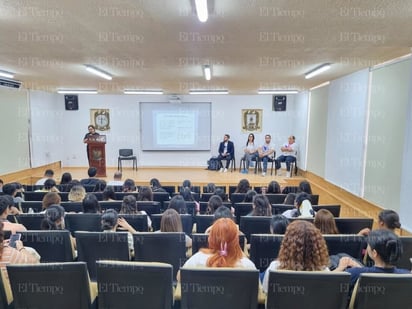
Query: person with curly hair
{"points": [[303, 249], [325, 222], [224, 249]]}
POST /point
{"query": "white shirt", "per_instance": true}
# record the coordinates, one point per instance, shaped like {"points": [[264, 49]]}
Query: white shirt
{"points": [[290, 146], [200, 259], [115, 183]]}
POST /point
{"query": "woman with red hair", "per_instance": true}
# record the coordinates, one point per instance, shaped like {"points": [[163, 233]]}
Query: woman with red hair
{"points": [[224, 249]]}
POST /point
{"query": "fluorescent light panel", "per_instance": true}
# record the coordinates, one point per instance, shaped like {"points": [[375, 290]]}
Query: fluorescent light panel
{"points": [[98, 72], [140, 91], [74, 91], [268, 91], [195, 91], [201, 10], [6, 74], [320, 69], [207, 71]]}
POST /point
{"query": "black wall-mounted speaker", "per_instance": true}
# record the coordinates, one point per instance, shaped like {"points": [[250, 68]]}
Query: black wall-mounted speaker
{"points": [[279, 103], [71, 102]]}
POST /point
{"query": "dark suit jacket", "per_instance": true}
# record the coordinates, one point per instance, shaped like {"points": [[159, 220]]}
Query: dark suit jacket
{"points": [[230, 148]]}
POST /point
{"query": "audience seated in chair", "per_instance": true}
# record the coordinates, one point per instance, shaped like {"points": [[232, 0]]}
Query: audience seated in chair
{"points": [[129, 207], [325, 222], [77, 193], [117, 179], [6, 206], [303, 207], [111, 222], [92, 172], [171, 222]]}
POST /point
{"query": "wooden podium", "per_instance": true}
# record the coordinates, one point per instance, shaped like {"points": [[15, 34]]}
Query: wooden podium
{"points": [[97, 154]]}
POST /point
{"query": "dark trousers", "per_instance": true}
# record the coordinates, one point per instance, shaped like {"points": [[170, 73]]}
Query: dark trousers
{"points": [[227, 158], [287, 159]]}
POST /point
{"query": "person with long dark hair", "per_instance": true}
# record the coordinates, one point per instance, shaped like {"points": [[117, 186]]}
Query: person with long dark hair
{"points": [[250, 152]]}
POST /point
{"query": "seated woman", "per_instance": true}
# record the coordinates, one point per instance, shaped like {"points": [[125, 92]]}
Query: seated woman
{"points": [[224, 249], [303, 249], [111, 222], [261, 206], [325, 222], [387, 219], [243, 186], [109, 194], [77, 193], [384, 248], [303, 207], [188, 197], [273, 188], [129, 186], [156, 185], [250, 194], [214, 203], [279, 224], [171, 222], [54, 220], [91, 204], [145, 194], [50, 198], [129, 207]]}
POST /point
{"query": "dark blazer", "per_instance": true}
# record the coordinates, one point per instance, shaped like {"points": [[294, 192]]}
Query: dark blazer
{"points": [[230, 148]]}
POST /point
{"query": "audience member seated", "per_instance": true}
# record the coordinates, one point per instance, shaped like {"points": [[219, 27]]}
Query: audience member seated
{"points": [[145, 194], [109, 194], [49, 186], [304, 186], [12, 189], [223, 212], [214, 203], [224, 249], [384, 248], [243, 186], [64, 182], [387, 219], [99, 186], [50, 198], [77, 194], [250, 194], [54, 220], [156, 185], [290, 199], [129, 207], [6, 204], [117, 179], [222, 194], [111, 222], [303, 249], [303, 207], [273, 187], [71, 184], [178, 203], [261, 206], [48, 174], [188, 197], [129, 186], [92, 180], [279, 224], [325, 222], [91, 204], [171, 222]]}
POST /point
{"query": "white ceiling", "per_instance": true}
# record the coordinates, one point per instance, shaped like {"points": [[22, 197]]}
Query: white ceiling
{"points": [[152, 44]]}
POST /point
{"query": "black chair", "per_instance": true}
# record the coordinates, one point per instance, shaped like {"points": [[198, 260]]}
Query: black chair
{"points": [[116, 205], [149, 207], [278, 209], [187, 222], [227, 288], [276, 198], [264, 248], [379, 291], [190, 207], [34, 196], [30, 221], [334, 209], [138, 222], [308, 289], [164, 247], [51, 285], [194, 189], [242, 209], [169, 189], [146, 285], [120, 195], [352, 225], [94, 246], [217, 187], [254, 225], [6, 297], [72, 206], [259, 162], [203, 206], [195, 195], [161, 197], [232, 190], [52, 246], [203, 222], [83, 222], [200, 240], [36, 206], [405, 260], [126, 155], [237, 198], [343, 243]]}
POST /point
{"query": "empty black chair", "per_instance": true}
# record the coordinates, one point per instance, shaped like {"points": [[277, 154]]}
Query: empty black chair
{"points": [[30, 221], [126, 155], [254, 225], [276, 198], [352, 225], [264, 248], [164, 247], [52, 246], [146, 285], [94, 246], [83, 222], [51, 285], [203, 222], [72, 206], [242, 209]]}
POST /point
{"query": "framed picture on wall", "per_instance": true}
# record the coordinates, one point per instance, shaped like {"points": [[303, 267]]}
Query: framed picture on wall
{"points": [[100, 118], [252, 120]]}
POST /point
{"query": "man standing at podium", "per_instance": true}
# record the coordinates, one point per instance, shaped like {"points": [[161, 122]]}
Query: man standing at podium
{"points": [[92, 133]]}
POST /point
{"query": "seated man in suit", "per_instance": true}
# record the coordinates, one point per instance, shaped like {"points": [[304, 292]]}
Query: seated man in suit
{"points": [[288, 155], [226, 152]]}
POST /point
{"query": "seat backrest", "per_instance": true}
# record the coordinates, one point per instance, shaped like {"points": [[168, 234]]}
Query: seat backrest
{"points": [[36, 206], [187, 222], [379, 291], [278, 209], [308, 289], [30, 221], [200, 240], [125, 152], [344, 243], [264, 248], [334, 209], [94, 246], [204, 288], [150, 207], [254, 225], [72, 206], [149, 285], [138, 222], [405, 260], [116, 205], [276, 198], [353, 225], [242, 209], [237, 198], [54, 285], [52, 246], [166, 247], [203, 222], [83, 222]]}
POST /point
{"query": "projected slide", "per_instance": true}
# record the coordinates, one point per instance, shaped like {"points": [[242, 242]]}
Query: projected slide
{"points": [[184, 126]]}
